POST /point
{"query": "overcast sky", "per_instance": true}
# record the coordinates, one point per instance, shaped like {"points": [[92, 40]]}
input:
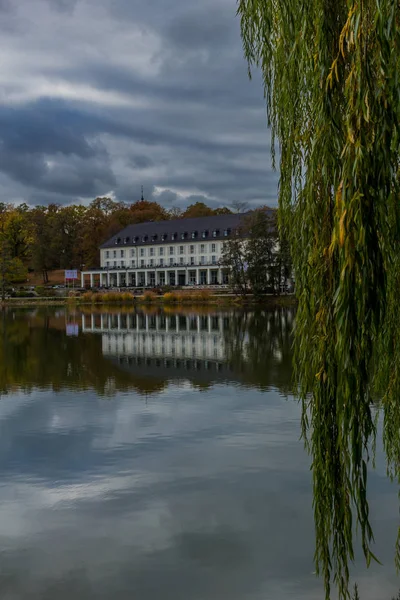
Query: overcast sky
{"points": [[102, 96]]}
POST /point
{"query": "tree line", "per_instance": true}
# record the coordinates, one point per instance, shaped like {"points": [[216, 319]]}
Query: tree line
{"points": [[43, 238]]}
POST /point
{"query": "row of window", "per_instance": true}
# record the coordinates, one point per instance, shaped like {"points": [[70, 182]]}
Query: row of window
{"points": [[162, 251], [161, 263], [185, 235]]}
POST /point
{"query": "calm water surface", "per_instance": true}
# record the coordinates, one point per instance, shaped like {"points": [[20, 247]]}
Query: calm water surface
{"points": [[157, 456]]}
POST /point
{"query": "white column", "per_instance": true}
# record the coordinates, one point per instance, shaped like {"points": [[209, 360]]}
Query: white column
{"points": [[219, 276], [82, 279], [118, 279], [108, 278], [92, 322], [176, 276], [146, 278], [197, 276], [101, 321], [119, 321], [91, 280], [208, 275]]}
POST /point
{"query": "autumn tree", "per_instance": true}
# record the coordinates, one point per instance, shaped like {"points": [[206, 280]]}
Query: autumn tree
{"points": [[95, 230], [11, 269], [222, 211], [144, 210], [42, 254], [198, 209]]}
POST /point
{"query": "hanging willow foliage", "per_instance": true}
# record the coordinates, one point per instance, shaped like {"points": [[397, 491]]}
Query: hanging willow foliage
{"points": [[331, 76]]}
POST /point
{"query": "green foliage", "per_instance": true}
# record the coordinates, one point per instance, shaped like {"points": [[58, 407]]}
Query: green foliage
{"points": [[260, 252], [256, 258], [233, 258], [11, 269], [330, 72]]}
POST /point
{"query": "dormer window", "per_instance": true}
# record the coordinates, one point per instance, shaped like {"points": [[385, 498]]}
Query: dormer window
{"points": [[204, 234], [145, 238], [136, 239], [174, 236], [154, 238], [164, 237], [118, 241], [194, 235]]}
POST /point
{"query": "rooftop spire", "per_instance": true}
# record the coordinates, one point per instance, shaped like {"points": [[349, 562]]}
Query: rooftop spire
{"points": [[142, 197]]}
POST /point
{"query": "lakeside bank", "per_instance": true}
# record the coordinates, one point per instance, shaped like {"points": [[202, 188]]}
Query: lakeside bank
{"points": [[200, 298]]}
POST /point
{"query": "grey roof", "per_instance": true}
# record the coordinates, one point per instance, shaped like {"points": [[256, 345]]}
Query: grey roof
{"points": [[153, 232]]}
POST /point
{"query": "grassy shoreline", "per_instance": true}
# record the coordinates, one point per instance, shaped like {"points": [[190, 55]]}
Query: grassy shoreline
{"points": [[150, 299]]}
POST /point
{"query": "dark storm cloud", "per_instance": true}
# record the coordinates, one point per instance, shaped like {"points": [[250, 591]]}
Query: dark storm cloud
{"points": [[113, 95], [43, 150]]}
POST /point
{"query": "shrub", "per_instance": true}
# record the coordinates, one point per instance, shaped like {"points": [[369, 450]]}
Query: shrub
{"points": [[111, 297], [185, 297], [88, 297], [203, 295], [149, 296], [169, 297], [127, 297]]}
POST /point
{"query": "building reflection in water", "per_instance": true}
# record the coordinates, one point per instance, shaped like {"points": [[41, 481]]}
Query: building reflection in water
{"points": [[239, 346]]}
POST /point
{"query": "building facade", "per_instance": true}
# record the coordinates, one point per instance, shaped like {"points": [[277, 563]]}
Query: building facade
{"points": [[179, 252]]}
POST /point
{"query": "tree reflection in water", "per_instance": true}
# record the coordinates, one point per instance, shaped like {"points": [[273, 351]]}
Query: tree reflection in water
{"points": [[144, 351], [205, 346]]}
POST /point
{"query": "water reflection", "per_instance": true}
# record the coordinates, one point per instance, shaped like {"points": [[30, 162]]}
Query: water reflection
{"points": [[145, 350], [246, 347], [202, 492]]}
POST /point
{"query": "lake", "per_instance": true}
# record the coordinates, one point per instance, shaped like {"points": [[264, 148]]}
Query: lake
{"points": [[157, 455]]}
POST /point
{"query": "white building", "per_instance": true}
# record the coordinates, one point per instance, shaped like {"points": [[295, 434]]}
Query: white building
{"points": [[178, 252]]}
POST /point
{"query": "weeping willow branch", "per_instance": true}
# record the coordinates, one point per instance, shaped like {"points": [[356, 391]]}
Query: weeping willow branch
{"points": [[330, 71]]}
